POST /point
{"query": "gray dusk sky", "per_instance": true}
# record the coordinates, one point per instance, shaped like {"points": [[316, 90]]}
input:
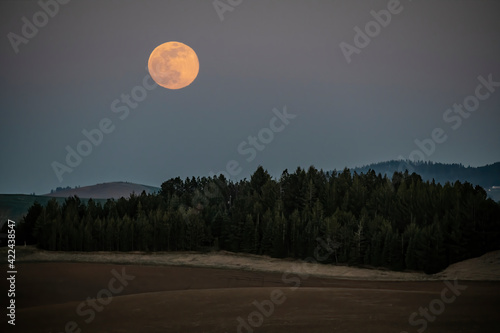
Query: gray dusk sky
{"points": [[262, 55]]}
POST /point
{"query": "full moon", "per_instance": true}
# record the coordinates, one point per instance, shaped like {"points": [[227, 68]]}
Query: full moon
{"points": [[173, 65]]}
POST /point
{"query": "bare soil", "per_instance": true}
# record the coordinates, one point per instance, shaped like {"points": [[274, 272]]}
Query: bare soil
{"points": [[165, 295]]}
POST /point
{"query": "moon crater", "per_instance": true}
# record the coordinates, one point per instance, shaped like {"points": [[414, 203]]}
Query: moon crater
{"points": [[173, 65]]}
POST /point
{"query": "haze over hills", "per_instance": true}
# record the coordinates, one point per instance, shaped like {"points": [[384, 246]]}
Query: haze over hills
{"points": [[112, 190], [488, 176], [14, 206]]}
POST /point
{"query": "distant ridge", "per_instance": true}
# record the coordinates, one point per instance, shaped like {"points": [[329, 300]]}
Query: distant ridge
{"points": [[488, 176], [112, 190]]}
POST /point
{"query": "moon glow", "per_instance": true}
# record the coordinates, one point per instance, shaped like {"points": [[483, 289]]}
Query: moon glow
{"points": [[173, 65]]}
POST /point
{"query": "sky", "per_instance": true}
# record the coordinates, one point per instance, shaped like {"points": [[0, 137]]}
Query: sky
{"points": [[281, 84]]}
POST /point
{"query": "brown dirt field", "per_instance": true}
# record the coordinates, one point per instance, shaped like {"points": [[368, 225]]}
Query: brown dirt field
{"points": [[194, 299]]}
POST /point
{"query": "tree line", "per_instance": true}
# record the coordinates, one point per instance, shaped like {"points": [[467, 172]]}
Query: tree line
{"points": [[401, 223], [485, 176]]}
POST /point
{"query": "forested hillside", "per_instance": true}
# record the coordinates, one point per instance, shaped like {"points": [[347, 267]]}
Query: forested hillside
{"points": [[485, 176], [398, 222]]}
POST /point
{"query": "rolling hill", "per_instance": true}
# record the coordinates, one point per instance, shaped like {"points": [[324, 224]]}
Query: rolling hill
{"points": [[113, 190], [488, 176], [14, 206]]}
